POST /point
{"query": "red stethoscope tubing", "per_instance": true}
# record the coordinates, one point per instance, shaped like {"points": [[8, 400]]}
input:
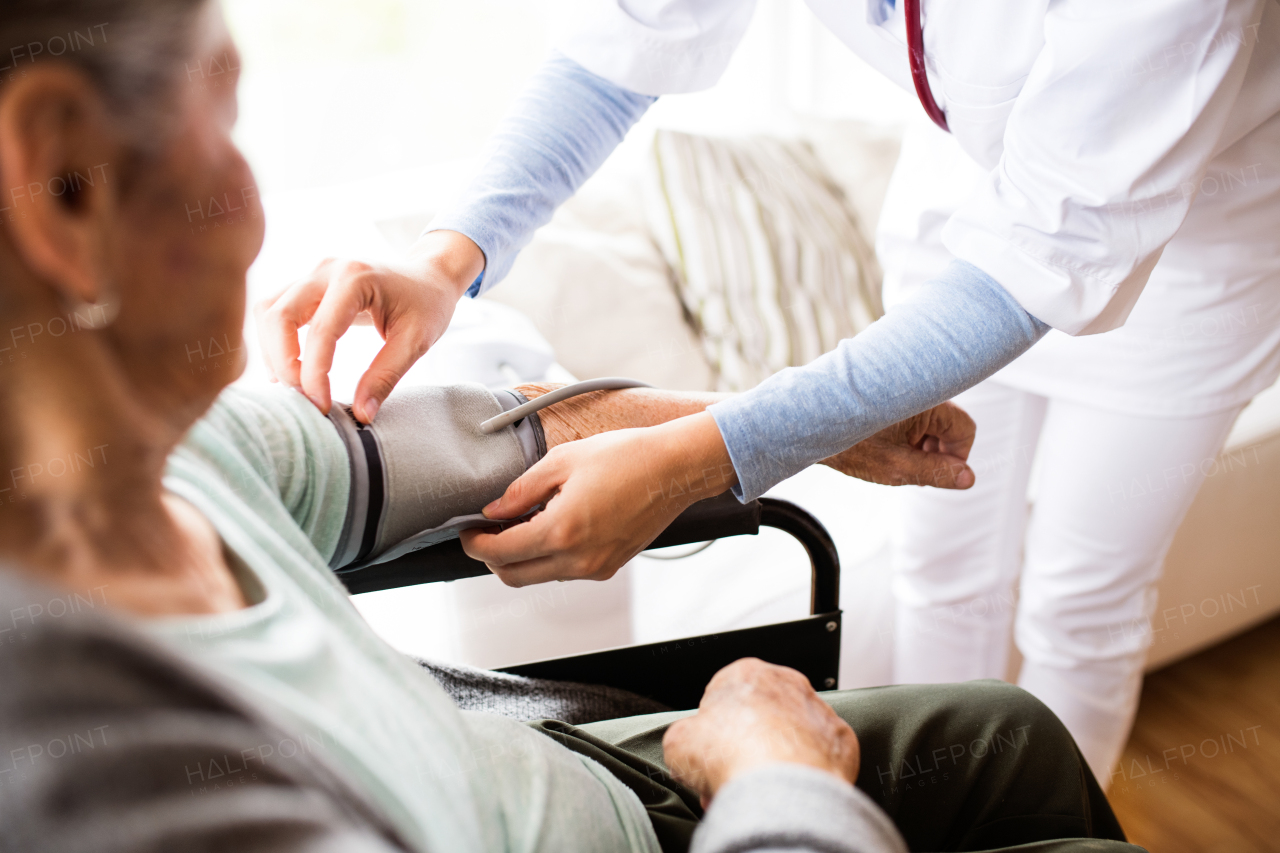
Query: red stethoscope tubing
{"points": [[915, 49]]}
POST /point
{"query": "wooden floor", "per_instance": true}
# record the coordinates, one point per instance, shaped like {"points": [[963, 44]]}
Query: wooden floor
{"points": [[1201, 773]]}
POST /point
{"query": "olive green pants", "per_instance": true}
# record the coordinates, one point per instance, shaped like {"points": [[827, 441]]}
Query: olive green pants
{"points": [[976, 766]]}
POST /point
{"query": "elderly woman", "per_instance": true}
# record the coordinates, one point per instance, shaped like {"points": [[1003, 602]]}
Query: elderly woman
{"points": [[207, 518]]}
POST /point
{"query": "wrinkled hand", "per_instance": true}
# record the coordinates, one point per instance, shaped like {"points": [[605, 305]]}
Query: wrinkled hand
{"points": [[930, 449], [410, 304], [754, 713], [606, 498]]}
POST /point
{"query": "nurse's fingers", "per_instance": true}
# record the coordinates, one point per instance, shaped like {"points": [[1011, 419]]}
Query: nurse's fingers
{"points": [[535, 486], [497, 547], [348, 293], [529, 540], [278, 319], [405, 343], [532, 572], [525, 554]]}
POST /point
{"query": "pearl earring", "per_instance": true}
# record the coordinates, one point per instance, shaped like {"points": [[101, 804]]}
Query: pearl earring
{"points": [[95, 315]]}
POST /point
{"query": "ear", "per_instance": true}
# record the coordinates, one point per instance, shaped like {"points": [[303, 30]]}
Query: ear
{"points": [[59, 157]]}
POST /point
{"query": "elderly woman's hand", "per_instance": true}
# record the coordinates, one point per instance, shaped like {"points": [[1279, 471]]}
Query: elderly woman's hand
{"points": [[930, 449], [410, 304], [753, 714]]}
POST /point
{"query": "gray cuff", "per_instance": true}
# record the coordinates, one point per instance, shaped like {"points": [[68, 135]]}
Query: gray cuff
{"points": [[422, 463], [795, 808]]}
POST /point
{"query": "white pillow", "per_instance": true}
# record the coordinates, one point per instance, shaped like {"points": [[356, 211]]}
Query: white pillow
{"points": [[598, 288], [768, 257], [860, 158]]}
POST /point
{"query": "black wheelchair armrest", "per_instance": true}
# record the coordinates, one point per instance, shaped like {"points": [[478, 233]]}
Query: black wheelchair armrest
{"points": [[714, 518], [674, 672]]}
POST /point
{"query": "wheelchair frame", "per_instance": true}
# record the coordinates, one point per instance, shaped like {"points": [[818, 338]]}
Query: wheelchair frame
{"points": [[674, 672]]}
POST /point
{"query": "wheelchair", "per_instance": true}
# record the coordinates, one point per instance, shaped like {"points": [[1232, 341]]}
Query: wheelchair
{"points": [[674, 672]]}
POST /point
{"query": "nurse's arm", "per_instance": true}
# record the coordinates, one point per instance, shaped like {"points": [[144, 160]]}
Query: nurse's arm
{"points": [[926, 449], [608, 497], [612, 447], [556, 136], [952, 333]]}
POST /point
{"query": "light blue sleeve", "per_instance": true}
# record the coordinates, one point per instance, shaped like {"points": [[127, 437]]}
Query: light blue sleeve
{"points": [[951, 334], [558, 133]]}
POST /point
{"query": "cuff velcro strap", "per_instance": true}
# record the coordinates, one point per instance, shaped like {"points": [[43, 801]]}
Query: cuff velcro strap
{"points": [[533, 442]]}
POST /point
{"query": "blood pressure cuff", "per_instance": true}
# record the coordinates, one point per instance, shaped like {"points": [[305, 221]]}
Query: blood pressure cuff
{"points": [[423, 470]]}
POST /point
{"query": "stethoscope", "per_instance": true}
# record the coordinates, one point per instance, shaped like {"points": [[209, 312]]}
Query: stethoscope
{"points": [[915, 50]]}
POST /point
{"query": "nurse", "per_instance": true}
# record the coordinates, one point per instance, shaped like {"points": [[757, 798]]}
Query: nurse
{"points": [[1090, 129]]}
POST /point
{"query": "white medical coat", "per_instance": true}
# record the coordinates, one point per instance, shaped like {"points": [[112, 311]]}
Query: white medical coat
{"points": [[1096, 127]]}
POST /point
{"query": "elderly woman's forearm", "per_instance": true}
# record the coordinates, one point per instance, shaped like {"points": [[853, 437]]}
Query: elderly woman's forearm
{"points": [[605, 411]]}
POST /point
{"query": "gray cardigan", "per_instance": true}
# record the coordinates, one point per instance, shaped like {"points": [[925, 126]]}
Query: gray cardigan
{"points": [[112, 743]]}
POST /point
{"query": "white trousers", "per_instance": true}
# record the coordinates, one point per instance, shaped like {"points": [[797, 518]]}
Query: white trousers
{"points": [[1067, 580]]}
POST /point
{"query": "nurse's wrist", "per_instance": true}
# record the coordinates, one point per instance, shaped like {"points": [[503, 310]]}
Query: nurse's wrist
{"points": [[691, 461], [446, 259]]}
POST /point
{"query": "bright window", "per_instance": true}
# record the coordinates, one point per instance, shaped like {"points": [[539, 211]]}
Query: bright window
{"points": [[335, 91]]}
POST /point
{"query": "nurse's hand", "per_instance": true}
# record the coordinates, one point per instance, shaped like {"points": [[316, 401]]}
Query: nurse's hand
{"points": [[410, 304], [607, 497]]}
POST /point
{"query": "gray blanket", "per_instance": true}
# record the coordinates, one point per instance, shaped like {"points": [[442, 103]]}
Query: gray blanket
{"points": [[535, 698]]}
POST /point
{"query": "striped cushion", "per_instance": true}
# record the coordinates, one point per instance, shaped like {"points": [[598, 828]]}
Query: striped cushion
{"points": [[768, 258]]}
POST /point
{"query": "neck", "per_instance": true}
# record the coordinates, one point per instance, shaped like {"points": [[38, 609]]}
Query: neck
{"points": [[81, 453]]}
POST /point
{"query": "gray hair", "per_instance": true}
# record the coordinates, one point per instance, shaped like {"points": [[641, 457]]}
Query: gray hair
{"points": [[133, 50]]}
